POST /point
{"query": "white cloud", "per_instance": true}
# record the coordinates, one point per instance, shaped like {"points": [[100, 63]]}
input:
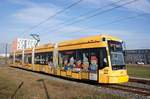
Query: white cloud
{"points": [[22, 2], [35, 13], [95, 2]]}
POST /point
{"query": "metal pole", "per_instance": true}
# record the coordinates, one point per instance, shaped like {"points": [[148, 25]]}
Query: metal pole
{"points": [[6, 53], [55, 55], [23, 56], [125, 54], [33, 55], [14, 57]]}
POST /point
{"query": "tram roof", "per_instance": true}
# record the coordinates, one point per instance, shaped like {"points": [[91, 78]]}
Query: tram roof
{"points": [[96, 38], [49, 46], [44, 46], [40, 48]]}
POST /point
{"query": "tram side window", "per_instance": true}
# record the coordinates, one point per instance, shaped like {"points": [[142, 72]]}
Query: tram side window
{"points": [[37, 59], [86, 59], [67, 59], [40, 58], [92, 59], [89, 59], [43, 58], [28, 58], [11, 59], [25, 59], [18, 59], [60, 60], [49, 59], [82, 60]]}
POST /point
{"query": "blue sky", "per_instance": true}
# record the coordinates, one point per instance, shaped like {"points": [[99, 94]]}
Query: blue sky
{"points": [[18, 15]]}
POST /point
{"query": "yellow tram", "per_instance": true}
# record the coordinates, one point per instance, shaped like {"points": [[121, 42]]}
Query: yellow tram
{"points": [[98, 58]]}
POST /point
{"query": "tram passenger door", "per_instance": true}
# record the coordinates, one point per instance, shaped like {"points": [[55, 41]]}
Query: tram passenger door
{"points": [[103, 62], [98, 61], [94, 63]]}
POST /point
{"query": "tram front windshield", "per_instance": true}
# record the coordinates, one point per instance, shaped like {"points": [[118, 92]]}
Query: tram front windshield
{"points": [[116, 54]]}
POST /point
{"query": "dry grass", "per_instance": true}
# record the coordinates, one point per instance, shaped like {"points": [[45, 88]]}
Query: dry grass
{"points": [[139, 71], [33, 87]]}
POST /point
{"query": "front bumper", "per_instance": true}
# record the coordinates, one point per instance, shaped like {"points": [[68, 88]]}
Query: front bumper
{"points": [[118, 79]]}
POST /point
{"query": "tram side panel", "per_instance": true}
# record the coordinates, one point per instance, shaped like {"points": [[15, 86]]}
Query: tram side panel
{"points": [[82, 63]]}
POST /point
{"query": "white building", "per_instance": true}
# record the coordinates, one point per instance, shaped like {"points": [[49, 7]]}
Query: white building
{"points": [[4, 55], [21, 43]]}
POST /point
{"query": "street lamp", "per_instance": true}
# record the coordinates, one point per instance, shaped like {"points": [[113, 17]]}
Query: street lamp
{"points": [[36, 37]]}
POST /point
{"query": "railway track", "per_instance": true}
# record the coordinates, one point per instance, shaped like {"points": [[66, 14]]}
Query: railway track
{"points": [[139, 80], [132, 89]]}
